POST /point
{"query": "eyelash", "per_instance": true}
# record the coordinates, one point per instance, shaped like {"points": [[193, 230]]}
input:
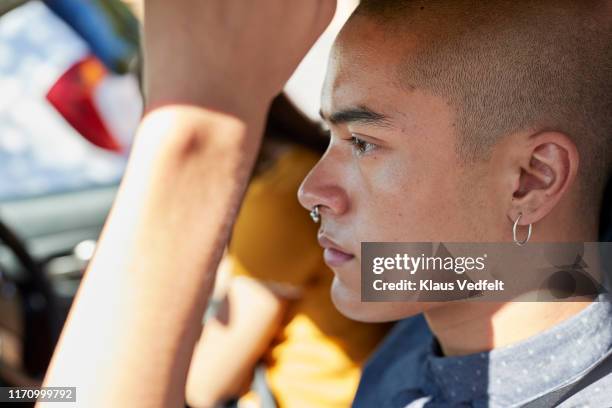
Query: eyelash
{"points": [[360, 146]]}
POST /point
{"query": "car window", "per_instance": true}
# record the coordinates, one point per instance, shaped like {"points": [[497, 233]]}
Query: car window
{"points": [[66, 122]]}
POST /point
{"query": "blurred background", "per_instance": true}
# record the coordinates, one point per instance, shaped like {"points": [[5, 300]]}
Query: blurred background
{"points": [[69, 105]]}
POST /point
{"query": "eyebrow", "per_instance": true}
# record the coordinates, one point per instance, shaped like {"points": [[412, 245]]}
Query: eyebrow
{"points": [[360, 114]]}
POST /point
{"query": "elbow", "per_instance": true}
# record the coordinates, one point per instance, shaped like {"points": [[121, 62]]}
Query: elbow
{"points": [[185, 132], [198, 396], [198, 400]]}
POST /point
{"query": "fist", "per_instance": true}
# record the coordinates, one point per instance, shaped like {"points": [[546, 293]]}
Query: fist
{"points": [[231, 54]]}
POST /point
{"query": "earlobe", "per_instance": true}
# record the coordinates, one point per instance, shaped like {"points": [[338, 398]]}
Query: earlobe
{"points": [[549, 169]]}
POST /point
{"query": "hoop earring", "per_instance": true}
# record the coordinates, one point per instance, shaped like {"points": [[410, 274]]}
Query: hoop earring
{"points": [[514, 228], [314, 214]]}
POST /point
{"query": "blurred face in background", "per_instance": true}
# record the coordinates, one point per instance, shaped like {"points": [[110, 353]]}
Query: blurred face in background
{"points": [[391, 171]]}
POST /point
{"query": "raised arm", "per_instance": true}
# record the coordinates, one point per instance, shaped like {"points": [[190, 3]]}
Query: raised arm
{"points": [[212, 68]]}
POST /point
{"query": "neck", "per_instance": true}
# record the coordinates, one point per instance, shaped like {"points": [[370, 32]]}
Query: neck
{"points": [[473, 327]]}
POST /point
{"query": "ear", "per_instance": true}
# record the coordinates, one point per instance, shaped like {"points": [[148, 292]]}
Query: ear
{"points": [[548, 164]]}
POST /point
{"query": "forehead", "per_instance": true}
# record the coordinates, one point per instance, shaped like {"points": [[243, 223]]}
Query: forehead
{"points": [[364, 67]]}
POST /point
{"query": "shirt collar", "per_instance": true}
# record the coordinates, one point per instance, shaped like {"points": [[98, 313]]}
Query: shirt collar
{"points": [[522, 371]]}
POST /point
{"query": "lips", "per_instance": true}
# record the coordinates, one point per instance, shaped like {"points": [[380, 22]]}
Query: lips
{"points": [[333, 254]]}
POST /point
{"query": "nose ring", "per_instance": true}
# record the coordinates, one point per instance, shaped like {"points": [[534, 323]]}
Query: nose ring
{"points": [[314, 214]]}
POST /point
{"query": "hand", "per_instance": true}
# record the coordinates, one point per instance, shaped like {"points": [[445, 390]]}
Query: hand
{"points": [[227, 54]]}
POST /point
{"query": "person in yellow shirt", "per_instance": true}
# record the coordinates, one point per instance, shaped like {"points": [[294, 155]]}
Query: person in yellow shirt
{"points": [[277, 313]]}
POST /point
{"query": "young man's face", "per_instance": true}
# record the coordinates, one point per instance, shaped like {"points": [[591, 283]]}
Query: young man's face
{"points": [[400, 179]]}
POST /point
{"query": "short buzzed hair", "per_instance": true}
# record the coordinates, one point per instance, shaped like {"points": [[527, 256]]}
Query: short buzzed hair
{"points": [[511, 65]]}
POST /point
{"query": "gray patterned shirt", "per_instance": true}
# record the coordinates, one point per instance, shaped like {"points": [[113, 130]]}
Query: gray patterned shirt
{"points": [[409, 371]]}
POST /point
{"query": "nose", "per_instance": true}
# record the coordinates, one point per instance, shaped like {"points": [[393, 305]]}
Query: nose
{"points": [[322, 187]]}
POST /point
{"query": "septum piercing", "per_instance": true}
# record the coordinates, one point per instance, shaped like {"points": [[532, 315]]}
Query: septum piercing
{"points": [[314, 214]]}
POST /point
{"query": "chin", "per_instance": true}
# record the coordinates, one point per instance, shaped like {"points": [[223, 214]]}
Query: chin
{"points": [[348, 302]]}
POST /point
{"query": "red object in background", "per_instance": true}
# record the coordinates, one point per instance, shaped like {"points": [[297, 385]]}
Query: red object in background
{"points": [[73, 97]]}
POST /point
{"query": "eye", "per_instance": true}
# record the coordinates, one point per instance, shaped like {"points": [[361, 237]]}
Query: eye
{"points": [[360, 146]]}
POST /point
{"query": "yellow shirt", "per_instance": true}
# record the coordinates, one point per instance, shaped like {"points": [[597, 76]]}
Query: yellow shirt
{"points": [[315, 359]]}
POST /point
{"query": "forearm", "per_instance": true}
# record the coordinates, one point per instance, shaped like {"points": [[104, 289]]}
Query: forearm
{"points": [[130, 335]]}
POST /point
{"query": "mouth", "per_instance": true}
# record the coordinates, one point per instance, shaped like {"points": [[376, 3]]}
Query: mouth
{"points": [[333, 254]]}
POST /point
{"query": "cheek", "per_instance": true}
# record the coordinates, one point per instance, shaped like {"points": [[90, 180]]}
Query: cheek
{"points": [[405, 201], [484, 203]]}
